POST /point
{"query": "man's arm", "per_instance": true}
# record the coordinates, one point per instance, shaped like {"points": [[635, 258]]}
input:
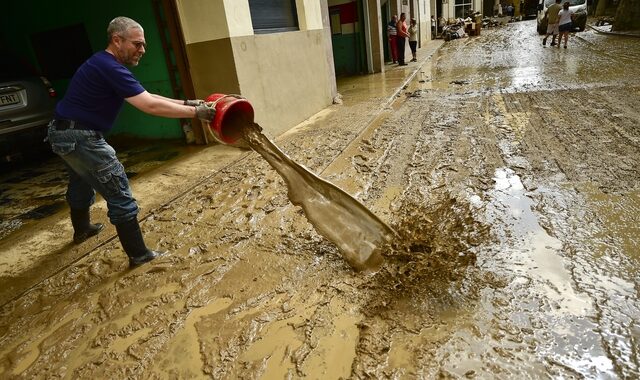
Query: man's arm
{"points": [[176, 101], [193, 103], [161, 106]]}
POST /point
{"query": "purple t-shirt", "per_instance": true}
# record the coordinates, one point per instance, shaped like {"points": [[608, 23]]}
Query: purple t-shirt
{"points": [[97, 91]]}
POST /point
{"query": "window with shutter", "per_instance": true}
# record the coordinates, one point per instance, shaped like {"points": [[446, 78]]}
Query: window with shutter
{"points": [[273, 16]]}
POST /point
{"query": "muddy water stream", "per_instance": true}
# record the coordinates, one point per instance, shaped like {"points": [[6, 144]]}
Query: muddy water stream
{"points": [[357, 232]]}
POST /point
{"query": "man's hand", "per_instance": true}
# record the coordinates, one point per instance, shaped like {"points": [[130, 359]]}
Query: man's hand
{"points": [[205, 112], [193, 103]]}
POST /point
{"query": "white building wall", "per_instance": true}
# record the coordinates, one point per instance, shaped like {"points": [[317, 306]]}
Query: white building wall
{"points": [[309, 14]]}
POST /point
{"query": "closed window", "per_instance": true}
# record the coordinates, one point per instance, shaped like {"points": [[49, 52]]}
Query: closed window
{"points": [[273, 16]]}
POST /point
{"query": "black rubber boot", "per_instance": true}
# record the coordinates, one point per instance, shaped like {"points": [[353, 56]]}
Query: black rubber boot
{"points": [[133, 243], [82, 227]]}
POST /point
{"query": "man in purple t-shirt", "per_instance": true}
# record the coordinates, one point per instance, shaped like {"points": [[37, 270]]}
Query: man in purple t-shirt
{"points": [[93, 100]]}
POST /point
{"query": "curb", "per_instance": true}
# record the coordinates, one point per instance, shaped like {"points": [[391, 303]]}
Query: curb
{"points": [[387, 101], [635, 34], [412, 75]]}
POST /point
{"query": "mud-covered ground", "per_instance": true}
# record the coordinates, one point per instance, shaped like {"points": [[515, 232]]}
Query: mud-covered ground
{"points": [[511, 172]]}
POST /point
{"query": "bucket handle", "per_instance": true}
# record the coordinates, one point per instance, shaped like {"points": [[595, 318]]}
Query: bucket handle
{"points": [[214, 104]]}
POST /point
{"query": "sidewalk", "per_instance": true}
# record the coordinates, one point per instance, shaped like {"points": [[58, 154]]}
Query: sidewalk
{"points": [[39, 252], [381, 89], [606, 29]]}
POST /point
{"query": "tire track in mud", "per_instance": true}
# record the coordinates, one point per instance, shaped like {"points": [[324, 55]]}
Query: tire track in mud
{"points": [[556, 316]]}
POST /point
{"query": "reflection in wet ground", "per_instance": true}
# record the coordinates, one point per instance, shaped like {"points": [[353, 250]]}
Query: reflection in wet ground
{"points": [[536, 261]]}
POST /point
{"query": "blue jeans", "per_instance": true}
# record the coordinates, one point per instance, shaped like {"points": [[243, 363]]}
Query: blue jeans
{"points": [[93, 166]]}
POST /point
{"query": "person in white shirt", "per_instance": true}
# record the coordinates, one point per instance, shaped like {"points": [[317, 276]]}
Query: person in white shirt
{"points": [[433, 27], [565, 23], [413, 39]]}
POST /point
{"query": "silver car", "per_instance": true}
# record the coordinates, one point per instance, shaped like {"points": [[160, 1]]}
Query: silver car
{"points": [[27, 103]]}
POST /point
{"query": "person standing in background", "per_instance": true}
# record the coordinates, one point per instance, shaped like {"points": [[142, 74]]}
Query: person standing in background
{"points": [[441, 24], [392, 35], [401, 29], [433, 27], [413, 39], [552, 23], [565, 23]]}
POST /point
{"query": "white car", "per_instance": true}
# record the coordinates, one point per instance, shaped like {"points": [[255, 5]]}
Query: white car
{"points": [[579, 7]]}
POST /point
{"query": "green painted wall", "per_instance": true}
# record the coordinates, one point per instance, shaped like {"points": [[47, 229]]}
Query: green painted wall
{"points": [[19, 19], [344, 54], [348, 44]]}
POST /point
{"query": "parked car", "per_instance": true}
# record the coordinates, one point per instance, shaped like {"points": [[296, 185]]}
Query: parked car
{"points": [[27, 103], [579, 7]]}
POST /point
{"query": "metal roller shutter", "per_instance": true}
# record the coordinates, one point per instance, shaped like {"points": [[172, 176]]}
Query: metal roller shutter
{"points": [[272, 16]]}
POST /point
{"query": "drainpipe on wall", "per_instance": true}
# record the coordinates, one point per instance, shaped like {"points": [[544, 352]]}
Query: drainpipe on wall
{"points": [[367, 36]]}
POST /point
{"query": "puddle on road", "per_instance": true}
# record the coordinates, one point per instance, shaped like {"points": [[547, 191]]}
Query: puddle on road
{"points": [[536, 260], [541, 253], [529, 66], [536, 252]]}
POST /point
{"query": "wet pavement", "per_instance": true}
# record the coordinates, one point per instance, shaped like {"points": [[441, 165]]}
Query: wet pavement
{"points": [[34, 188], [510, 171]]}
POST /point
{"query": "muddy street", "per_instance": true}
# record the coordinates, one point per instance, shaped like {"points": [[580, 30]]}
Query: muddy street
{"points": [[510, 171]]}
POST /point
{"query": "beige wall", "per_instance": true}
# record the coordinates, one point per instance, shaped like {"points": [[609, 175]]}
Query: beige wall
{"points": [[206, 20], [309, 14], [286, 76]]}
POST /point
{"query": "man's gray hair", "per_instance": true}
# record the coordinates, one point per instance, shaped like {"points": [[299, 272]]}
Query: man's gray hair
{"points": [[120, 25]]}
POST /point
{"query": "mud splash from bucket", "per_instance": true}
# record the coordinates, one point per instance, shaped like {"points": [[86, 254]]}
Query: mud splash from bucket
{"points": [[359, 234]]}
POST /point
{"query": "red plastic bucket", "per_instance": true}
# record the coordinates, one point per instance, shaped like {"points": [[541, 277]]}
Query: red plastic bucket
{"points": [[232, 113]]}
